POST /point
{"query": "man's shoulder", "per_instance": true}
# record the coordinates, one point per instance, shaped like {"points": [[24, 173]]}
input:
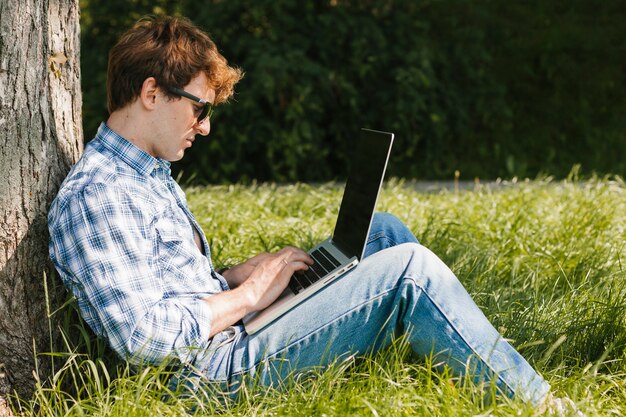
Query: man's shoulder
{"points": [[104, 174]]}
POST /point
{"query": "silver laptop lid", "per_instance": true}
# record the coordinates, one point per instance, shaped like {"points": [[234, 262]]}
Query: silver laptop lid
{"points": [[368, 163]]}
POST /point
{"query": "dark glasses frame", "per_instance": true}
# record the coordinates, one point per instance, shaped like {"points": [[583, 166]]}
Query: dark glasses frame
{"points": [[207, 110]]}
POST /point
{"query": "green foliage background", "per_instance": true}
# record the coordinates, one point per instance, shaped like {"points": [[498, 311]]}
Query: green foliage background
{"points": [[490, 88]]}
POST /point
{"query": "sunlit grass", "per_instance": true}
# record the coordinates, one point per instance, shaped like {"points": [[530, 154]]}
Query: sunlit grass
{"points": [[543, 259]]}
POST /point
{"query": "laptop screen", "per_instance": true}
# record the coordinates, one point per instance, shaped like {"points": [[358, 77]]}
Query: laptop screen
{"points": [[367, 170]]}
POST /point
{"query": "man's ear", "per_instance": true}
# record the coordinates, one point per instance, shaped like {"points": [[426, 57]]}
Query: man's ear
{"points": [[148, 94]]}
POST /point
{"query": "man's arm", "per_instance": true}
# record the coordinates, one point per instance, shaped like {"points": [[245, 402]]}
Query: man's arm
{"points": [[258, 282]]}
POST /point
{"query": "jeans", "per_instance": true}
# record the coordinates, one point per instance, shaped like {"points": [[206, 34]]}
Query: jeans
{"points": [[399, 288]]}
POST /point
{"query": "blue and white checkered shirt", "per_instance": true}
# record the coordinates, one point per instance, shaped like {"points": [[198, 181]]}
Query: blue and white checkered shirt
{"points": [[122, 240]]}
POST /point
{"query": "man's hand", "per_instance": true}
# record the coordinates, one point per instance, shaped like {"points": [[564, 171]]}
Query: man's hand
{"points": [[236, 275], [259, 281], [271, 275]]}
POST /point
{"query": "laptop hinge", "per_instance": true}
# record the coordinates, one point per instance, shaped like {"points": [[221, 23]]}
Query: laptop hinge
{"points": [[344, 249]]}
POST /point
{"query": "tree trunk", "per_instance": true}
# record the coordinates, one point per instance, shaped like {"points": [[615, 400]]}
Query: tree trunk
{"points": [[40, 138]]}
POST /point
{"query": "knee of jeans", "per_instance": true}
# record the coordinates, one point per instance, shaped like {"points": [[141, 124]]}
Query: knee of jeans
{"points": [[392, 227], [428, 270]]}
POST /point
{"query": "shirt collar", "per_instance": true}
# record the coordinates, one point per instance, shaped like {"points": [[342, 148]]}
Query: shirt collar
{"points": [[136, 158]]}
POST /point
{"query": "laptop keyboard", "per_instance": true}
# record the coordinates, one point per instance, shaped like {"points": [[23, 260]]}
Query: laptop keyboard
{"points": [[323, 263]]}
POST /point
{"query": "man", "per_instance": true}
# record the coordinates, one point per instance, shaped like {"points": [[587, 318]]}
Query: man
{"points": [[126, 245]]}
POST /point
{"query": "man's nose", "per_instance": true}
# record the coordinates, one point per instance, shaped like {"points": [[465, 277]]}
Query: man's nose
{"points": [[203, 128]]}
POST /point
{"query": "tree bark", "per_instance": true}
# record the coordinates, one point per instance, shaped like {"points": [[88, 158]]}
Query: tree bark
{"points": [[40, 138]]}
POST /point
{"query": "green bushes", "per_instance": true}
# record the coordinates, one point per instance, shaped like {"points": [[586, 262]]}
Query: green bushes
{"points": [[488, 88]]}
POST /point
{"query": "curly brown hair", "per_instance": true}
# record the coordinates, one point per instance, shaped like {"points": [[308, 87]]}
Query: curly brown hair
{"points": [[173, 51]]}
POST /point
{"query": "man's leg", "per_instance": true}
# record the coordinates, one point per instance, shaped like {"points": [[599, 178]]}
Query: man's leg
{"points": [[399, 288]]}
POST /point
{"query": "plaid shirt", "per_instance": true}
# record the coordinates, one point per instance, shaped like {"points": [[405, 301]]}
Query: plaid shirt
{"points": [[122, 240]]}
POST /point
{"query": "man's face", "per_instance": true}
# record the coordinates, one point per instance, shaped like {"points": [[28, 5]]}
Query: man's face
{"points": [[175, 124]]}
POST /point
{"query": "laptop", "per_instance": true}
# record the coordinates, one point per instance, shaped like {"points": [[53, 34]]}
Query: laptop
{"points": [[340, 253]]}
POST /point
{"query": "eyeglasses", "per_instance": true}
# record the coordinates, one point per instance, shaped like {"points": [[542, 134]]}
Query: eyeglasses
{"points": [[206, 111]]}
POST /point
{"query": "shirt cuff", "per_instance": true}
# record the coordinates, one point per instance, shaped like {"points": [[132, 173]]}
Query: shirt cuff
{"points": [[204, 317]]}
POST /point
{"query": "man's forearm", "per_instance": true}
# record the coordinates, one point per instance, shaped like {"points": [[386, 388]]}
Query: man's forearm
{"points": [[228, 308]]}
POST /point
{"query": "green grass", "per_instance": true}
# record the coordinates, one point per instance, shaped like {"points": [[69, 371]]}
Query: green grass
{"points": [[543, 259]]}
